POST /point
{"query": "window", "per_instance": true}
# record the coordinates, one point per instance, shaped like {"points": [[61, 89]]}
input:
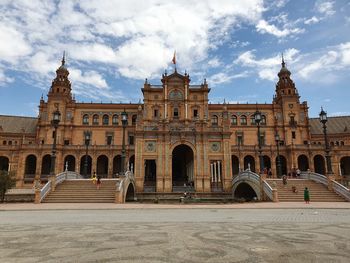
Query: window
{"points": [[131, 139], [214, 120], [115, 119], [176, 112], [342, 143], [155, 113], [10, 142], [293, 134], [109, 139], [4, 142], [243, 120], [195, 113], [262, 139], [66, 142], [105, 119], [86, 119], [133, 119], [240, 139], [95, 119], [263, 120], [252, 120], [233, 120]]}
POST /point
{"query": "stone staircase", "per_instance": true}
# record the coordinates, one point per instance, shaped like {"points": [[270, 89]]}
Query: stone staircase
{"points": [[318, 192], [83, 191]]}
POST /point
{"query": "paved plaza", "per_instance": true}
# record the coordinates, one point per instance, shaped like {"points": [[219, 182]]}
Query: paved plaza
{"points": [[174, 233]]}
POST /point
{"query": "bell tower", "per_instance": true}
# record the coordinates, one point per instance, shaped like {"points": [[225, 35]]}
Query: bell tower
{"points": [[61, 86]]}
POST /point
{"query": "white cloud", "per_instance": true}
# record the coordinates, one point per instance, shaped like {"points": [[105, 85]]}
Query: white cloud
{"points": [[265, 28], [92, 78], [221, 78], [4, 79], [13, 44], [312, 20], [325, 7], [267, 68]]}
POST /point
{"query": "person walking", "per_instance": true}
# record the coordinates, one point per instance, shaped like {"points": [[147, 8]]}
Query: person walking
{"points": [[98, 183], [93, 178], [306, 196]]}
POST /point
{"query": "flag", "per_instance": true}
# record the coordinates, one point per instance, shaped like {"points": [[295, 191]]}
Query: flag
{"points": [[174, 58]]}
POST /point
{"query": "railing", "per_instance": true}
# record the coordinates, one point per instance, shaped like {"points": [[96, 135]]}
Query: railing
{"points": [[247, 175], [341, 190], [267, 190], [319, 178], [67, 175], [45, 190]]}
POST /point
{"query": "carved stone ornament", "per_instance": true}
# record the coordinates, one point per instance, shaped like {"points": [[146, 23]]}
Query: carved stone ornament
{"points": [[215, 146], [150, 146]]}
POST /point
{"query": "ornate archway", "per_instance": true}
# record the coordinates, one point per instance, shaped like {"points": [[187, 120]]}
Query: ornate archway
{"points": [[69, 162], [182, 166], [319, 164], [249, 162], [303, 162], [235, 165], [4, 163], [102, 166]]}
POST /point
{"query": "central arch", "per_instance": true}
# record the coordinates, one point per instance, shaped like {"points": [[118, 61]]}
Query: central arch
{"points": [[182, 166]]}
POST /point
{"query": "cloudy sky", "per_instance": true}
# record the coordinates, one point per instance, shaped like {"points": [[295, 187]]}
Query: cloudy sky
{"points": [[112, 46]]}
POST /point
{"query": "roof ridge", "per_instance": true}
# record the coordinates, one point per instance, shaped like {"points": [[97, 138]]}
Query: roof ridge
{"points": [[29, 117]]}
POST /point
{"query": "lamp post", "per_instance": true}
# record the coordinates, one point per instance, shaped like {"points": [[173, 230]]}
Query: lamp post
{"points": [[258, 118], [279, 168], [323, 120], [54, 122], [124, 123], [87, 138]]}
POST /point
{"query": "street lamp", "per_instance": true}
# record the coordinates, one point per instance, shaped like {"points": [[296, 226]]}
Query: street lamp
{"points": [[54, 122], [258, 118], [87, 138], [323, 120], [124, 123], [279, 168]]}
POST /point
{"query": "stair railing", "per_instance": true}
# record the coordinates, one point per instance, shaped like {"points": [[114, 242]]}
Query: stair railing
{"points": [[267, 190], [40, 194], [319, 178], [341, 190]]}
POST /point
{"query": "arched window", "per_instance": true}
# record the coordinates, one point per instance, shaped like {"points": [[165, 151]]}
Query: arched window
{"points": [[252, 120], [86, 119], [243, 120], [176, 112], [133, 119], [115, 119], [105, 119], [233, 120], [214, 120], [95, 119]]}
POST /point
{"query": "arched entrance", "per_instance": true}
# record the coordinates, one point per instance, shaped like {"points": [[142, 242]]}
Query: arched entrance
{"points": [[132, 163], [117, 165], [319, 164], [283, 161], [267, 162], [4, 163], [69, 160], [345, 166], [150, 176], [182, 166], [130, 194], [30, 168], [249, 162], [102, 166], [245, 191], [82, 166], [303, 162], [235, 165], [45, 167]]}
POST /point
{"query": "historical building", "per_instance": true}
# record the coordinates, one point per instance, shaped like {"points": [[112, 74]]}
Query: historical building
{"points": [[175, 137]]}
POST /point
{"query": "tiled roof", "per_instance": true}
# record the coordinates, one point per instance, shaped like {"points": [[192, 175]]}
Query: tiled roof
{"points": [[16, 124], [335, 125]]}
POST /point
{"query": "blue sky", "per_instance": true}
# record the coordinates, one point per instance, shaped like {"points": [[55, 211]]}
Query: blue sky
{"points": [[112, 46]]}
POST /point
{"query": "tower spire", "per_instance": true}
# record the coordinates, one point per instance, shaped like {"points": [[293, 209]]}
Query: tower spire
{"points": [[64, 58], [283, 63]]}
